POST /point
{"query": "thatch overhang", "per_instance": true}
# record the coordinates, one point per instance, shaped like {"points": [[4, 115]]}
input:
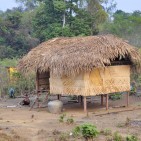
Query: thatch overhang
{"points": [[72, 55]]}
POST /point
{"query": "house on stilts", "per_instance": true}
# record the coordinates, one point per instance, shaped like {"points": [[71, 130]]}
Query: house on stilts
{"points": [[82, 66]]}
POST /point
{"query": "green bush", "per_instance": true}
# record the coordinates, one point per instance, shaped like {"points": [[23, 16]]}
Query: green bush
{"points": [[88, 131], [131, 138], [22, 84], [70, 120]]}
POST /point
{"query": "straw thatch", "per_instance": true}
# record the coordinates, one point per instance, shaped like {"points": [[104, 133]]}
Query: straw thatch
{"points": [[70, 56]]}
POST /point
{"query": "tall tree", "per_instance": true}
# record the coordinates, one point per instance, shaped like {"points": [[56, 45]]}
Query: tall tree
{"points": [[27, 4], [67, 18], [125, 25]]}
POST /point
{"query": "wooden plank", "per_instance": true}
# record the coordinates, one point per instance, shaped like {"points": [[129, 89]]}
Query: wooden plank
{"points": [[116, 111]]}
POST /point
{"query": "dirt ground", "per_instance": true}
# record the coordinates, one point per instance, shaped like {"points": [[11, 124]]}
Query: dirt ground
{"points": [[20, 124]]}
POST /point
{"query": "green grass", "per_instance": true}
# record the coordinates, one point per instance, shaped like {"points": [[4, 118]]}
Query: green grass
{"points": [[9, 62]]}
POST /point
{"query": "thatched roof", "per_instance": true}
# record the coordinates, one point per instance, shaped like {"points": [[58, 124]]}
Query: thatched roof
{"points": [[69, 56]]}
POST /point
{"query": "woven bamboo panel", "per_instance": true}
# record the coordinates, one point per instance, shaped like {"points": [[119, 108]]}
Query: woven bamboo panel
{"points": [[99, 81], [43, 81]]}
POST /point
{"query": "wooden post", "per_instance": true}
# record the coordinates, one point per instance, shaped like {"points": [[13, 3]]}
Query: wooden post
{"points": [[127, 99], [101, 100], [107, 102], [85, 104], [81, 97], [37, 81], [59, 97], [78, 99]]}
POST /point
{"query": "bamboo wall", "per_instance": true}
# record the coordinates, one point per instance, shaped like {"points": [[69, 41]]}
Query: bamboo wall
{"points": [[100, 81]]}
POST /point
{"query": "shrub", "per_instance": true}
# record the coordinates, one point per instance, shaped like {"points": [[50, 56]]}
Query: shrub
{"points": [[61, 118], [115, 96], [70, 121], [106, 132], [88, 131], [131, 138]]}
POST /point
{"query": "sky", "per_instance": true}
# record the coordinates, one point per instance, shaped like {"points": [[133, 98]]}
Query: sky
{"points": [[125, 5]]}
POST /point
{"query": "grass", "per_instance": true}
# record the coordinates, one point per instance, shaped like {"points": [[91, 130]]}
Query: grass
{"points": [[9, 62]]}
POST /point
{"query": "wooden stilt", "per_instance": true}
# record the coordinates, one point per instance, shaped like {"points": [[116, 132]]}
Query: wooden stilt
{"points": [[107, 102], [85, 104], [127, 99], [78, 99], [81, 97], [59, 97], [102, 100]]}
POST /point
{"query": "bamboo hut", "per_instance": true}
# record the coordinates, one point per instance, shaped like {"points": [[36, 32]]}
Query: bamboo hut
{"points": [[82, 66]]}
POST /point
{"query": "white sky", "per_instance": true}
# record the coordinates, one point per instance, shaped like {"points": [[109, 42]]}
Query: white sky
{"points": [[125, 5]]}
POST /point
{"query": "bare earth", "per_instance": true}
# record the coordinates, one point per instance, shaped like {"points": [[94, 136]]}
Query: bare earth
{"points": [[20, 124]]}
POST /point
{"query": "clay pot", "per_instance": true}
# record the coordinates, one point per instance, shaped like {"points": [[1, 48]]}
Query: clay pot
{"points": [[55, 106]]}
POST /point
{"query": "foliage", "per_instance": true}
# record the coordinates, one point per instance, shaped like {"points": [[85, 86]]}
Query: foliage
{"points": [[15, 33], [61, 118], [34, 21], [16, 80], [131, 138], [8, 62], [66, 18], [63, 137], [106, 132], [22, 84], [88, 131], [115, 96], [125, 25], [70, 120]]}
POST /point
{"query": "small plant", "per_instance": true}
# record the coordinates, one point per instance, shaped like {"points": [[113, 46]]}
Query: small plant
{"points": [[131, 138], [88, 131], [106, 132], [117, 137], [77, 131], [63, 137], [61, 118], [127, 121], [70, 121], [115, 96]]}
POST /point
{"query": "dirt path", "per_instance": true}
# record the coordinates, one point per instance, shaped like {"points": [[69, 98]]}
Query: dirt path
{"points": [[38, 126], [20, 124]]}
